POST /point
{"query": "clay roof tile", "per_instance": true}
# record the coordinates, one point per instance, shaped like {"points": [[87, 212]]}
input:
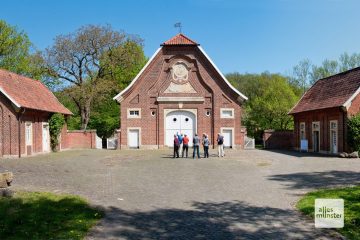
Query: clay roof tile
{"points": [[179, 39], [333, 91], [29, 93]]}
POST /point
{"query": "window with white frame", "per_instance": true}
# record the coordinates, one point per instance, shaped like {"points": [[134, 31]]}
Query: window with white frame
{"points": [[302, 131], [333, 125], [226, 112], [28, 133], [316, 126], [134, 113]]}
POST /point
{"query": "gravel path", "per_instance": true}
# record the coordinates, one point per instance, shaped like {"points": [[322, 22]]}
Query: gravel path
{"points": [[149, 195]]}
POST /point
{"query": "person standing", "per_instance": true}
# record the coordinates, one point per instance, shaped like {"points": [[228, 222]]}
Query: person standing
{"points": [[220, 142], [176, 146], [180, 137], [196, 143], [206, 144], [185, 145]]}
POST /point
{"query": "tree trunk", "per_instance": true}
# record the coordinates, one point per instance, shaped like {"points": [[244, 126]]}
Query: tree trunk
{"points": [[85, 117]]}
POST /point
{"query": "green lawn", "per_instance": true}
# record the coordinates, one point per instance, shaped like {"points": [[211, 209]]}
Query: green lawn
{"points": [[39, 215], [351, 196]]}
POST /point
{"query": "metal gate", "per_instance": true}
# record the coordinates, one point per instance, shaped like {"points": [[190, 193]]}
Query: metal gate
{"points": [[249, 143]]}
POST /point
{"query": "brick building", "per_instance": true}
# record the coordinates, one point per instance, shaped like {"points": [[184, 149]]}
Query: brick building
{"points": [[321, 114], [179, 90], [25, 107]]}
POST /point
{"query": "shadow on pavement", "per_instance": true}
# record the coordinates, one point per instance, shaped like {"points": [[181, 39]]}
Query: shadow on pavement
{"points": [[299, 154], [326, 179], [226, 220]]}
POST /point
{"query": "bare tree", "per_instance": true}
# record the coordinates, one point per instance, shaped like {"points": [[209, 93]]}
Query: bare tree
{"points": [[80, 64]]}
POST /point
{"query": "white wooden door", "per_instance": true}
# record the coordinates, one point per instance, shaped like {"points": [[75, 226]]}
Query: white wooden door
{"points": [[227, 133], [46, 137], [179, 122], [133, 138]]}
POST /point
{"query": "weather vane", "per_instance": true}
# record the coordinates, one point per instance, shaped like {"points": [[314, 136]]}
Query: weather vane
{"points": [[178, 25]]}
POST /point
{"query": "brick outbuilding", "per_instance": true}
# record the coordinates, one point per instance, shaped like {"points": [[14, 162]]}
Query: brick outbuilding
{"points": [[25, 108], [179, 90], [321, 114]]}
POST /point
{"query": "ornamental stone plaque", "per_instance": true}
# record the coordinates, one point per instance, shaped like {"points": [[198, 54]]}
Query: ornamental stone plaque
{"points": [[180, 72]]}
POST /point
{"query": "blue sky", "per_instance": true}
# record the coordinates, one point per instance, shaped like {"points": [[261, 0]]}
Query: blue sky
{"points": [[244, 36]]}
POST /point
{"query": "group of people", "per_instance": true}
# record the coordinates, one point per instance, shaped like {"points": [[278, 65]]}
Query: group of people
{"points": [[181, 145]]}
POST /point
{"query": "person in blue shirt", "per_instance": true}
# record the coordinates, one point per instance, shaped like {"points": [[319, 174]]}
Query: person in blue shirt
{"points": [[180, 137]]}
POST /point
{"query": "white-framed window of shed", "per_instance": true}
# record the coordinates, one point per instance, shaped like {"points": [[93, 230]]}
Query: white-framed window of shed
{"points": [[302, 131], [28, 133], [226, 113], [134, 113]]}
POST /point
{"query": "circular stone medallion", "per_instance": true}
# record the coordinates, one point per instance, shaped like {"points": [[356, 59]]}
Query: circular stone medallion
{"points": [[179, 72]]}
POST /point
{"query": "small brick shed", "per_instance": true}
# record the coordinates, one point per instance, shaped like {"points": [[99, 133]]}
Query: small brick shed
{"points": [[321, 114], [25, 108]]}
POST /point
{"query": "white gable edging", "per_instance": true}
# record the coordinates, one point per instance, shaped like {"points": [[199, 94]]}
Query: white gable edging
{"points": [[119, 96]]}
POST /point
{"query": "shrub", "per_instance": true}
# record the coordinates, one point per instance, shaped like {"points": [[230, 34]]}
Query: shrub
{"points": [[56, 123], [353, 126]]}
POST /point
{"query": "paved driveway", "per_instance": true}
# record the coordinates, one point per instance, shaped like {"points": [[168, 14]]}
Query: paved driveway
{"points": [[148, 195]]}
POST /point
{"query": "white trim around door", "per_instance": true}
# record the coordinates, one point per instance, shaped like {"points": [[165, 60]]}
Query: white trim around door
{"points": [[132, 142], [232, 145]]}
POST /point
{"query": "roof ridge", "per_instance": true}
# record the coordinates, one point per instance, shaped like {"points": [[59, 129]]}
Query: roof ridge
{"points": [[181, 34], [337, 74], [29, 93], [179, 39], [321, 94], [20, 75]]}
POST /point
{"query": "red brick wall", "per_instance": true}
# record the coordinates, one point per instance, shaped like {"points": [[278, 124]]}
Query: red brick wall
{"points": [[355, 106], [278, 139], [9, 129], [80, 139], [324, 117], [155, 80], [64, 139]]}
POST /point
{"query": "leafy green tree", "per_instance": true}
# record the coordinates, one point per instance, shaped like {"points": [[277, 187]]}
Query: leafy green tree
{"points": [[328, 68], [15, 52], [271, 96], [56, 123], [73, 122], [302, 74], [353, 125], [349, 61], [105, 118], [86, 65], [306, 74]]}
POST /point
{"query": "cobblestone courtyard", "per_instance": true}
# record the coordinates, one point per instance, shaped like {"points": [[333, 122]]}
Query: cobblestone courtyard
{"points": [[149, 195]]}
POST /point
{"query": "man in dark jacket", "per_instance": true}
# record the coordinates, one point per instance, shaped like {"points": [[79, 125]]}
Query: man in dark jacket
{"points": [[176, 146], [220, 142], [206, 143]]}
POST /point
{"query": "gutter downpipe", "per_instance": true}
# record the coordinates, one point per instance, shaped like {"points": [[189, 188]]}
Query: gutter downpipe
{"points": [[21, 112]]}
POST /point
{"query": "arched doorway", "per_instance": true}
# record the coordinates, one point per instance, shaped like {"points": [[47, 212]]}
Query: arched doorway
{"points": [[179, 121]]}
